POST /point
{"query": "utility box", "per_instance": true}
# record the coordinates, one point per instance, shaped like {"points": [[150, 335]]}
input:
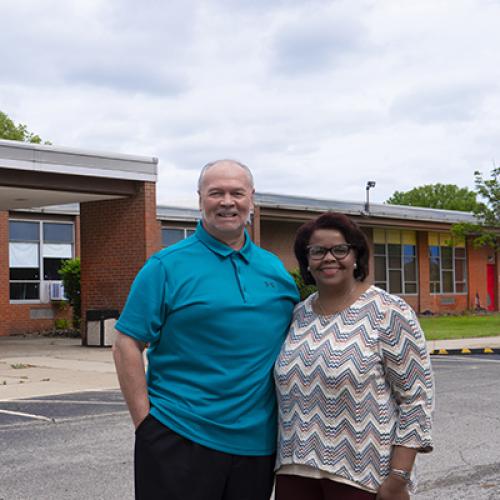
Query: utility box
{"points": [[101, 327]]}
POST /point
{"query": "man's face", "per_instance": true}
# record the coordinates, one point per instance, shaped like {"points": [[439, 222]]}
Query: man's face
{"points": [[226, 198]]}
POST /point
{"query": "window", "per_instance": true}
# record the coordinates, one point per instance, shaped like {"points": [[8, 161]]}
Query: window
{"points": [[36, 252], [447, 264], [171, 235], [395, 254]]}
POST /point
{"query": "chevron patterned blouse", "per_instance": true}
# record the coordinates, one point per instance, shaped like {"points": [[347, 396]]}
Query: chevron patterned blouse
{"points": [[350, 386]]}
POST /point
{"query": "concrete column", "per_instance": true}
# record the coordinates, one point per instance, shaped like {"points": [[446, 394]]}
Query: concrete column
{"points": [[117, 236]]}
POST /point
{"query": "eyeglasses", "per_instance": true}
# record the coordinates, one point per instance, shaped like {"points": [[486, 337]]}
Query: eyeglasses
{"points": [[316, 252]]}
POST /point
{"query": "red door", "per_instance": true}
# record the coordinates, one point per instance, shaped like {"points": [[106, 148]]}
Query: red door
{"points": [[491, 282]]}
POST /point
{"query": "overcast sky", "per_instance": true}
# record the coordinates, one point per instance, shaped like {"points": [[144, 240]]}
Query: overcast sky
{"points": [[317, 97]]}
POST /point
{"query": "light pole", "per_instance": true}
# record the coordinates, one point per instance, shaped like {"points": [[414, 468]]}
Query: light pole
{"points": [[369, 184]]}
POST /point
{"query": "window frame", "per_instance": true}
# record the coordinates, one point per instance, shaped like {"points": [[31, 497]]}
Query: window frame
{"points": [[388, 268], [41, 271], [442, 270], [184, 229]]}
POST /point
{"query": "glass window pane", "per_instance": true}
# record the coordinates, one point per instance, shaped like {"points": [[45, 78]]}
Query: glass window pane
{"points": [[447, 282], [409, 250], [170, 236], [379, 249], [434, 252], [459, 270], [381, 284], [434, 269], [189, 232], [460, 287], [394, 256], [410, 268], [447, 257], [435, 287], [57, 233], [24, 291], [23, 231], [460, 253], [50, 268], [24, 273], [395, 282], [410, 288], [380, 269]]}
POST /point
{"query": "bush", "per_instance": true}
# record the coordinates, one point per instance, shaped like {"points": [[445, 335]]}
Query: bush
{"points": [[61, 324], [70, 274], [304, 290]]}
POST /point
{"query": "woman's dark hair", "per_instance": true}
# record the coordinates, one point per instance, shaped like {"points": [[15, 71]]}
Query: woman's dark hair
{"points": [[351, 232]]}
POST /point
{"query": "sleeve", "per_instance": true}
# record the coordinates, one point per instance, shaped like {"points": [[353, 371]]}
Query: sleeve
{"points": [[408, 371], [145, 309]]}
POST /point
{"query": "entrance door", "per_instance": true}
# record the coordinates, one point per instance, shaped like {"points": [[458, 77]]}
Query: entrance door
{"points": [[491, 282]]}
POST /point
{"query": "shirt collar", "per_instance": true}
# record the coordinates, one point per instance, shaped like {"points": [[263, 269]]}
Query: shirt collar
{"points": [[221, 248]]}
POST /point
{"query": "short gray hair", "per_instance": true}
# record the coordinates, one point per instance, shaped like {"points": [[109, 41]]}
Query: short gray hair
{"points": [[211, 164]]}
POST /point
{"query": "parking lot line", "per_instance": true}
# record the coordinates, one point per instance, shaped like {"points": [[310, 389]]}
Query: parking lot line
{"points": [[26, 415]]}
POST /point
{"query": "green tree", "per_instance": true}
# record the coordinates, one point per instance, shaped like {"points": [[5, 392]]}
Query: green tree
{"points": [[9, 130], [487, 230], [444, 196], [70, 274]]}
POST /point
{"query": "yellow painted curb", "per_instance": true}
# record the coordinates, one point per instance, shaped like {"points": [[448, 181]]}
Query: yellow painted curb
{"points": [[488, 351], [465, 351], [442, 351]]}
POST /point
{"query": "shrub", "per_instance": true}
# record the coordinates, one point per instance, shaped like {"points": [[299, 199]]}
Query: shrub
{"points": [[70, 274], [304, 290], [61, 324]]}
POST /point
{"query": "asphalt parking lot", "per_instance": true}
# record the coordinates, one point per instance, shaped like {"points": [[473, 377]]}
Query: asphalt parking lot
{"points": [[80, 445], [62, 407]]}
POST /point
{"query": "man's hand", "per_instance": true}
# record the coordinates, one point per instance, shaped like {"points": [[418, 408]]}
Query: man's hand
{"points": [[393, 488]]}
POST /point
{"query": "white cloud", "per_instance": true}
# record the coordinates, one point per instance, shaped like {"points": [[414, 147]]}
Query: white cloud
{"points": [[317, 97]]}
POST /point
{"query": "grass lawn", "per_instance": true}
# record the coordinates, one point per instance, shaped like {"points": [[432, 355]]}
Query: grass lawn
{"points": [[459, 327]]}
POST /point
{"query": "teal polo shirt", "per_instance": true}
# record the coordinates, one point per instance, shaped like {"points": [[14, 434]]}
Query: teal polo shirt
{"points": [[215, 319]]}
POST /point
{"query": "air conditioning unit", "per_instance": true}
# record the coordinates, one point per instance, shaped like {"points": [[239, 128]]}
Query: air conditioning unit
{"points": [[56, 291]]}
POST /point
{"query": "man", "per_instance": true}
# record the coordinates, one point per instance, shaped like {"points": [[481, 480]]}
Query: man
{"points": [[214, 309]]}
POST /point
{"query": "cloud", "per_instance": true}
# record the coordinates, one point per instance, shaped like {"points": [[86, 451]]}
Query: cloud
{"points": [[453, 104], [317, 97], [316, 41]]}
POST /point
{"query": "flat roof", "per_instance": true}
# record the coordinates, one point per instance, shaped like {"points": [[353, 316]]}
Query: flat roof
{"points": [[61, 160], [379, 210]]}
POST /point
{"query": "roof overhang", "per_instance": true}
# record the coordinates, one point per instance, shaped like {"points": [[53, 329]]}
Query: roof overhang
{"points": [[33, 175]]}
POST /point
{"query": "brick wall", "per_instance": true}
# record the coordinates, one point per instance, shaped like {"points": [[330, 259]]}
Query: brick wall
{"points": [[4, 272], [117, 236], [477, 274], [278, 237]]}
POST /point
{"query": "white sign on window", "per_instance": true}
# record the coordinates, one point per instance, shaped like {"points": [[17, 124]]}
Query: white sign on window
{"points": [[57, 250], [23, 255]]}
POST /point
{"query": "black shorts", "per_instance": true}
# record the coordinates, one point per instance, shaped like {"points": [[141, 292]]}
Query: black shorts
{"points": [[171, 467]]}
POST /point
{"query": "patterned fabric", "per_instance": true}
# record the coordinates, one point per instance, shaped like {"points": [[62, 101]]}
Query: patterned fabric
{"points": [[352, 385]]}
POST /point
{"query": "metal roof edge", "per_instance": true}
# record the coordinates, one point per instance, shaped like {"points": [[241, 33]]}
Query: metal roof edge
{"points": [[272, 200]]}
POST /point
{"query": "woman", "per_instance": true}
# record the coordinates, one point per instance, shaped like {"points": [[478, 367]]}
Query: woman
{"points": [[353, 378]]}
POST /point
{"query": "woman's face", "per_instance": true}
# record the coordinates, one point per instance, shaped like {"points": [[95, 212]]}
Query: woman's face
{"points": [[330, 271]]}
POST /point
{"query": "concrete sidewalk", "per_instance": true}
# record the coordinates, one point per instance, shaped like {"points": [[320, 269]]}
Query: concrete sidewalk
{"points": [[35, 366]]}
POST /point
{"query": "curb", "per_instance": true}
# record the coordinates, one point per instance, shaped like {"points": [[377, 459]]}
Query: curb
{"points": [[482, 350]]}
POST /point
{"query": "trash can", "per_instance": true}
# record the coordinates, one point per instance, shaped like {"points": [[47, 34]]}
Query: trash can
{"points": [[101, 327]]}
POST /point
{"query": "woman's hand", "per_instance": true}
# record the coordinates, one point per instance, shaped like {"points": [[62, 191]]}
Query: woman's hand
{"points": [[393, 488]]}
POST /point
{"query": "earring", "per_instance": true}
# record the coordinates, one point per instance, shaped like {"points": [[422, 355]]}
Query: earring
{"points": [[355, 265], [309, 268]]}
